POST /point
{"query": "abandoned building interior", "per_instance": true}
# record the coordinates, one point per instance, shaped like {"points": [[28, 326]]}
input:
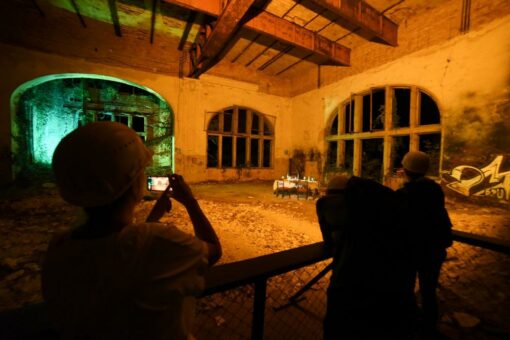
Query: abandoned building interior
{"points": [[240, 96]]}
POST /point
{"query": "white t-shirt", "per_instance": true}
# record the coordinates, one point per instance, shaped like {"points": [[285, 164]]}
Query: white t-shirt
{"points": [[139, 283]]}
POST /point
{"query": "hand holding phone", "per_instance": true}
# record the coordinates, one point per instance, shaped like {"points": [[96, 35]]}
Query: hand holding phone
{"points": [[162, 206]]}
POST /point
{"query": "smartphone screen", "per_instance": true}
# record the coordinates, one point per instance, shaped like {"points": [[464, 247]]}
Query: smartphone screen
{"points": [[157, 183]]}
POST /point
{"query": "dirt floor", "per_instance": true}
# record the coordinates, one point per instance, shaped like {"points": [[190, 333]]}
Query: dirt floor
{"points": [[250, 222]]}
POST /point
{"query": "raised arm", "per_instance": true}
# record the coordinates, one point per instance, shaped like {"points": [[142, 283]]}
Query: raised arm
{"points": [[201, 225]]}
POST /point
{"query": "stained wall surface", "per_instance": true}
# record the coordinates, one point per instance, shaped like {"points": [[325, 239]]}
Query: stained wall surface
{"points": [[469, 77], [190, 101]]}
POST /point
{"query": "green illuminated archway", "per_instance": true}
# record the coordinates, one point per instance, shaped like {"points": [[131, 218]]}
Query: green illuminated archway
{"points": [[47, 108]]}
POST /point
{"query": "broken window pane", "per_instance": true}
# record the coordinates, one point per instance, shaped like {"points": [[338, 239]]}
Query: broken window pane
{"points": [[267, 129], [241, 151], [401, 107], [349, 117], [431, 145], [226, 152], [366, 113], [266, 160], [103, 117], [349, 155], [227, 120], [429, 112], [332, 154], [372, 159], [212, 151], [334, 126], [214, 123], [400, 148], [138, 124], [255, 124], [241, 121], [254, 152], [378, 109], [123, 119]]}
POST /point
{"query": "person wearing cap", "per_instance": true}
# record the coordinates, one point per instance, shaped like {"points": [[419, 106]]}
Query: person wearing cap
{"points": [[367, 297], [110, 278], [428, 228]]}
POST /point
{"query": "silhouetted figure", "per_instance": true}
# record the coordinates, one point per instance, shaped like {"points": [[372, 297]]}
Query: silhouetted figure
{"points": [[110, 278], [429, 231], [368, 296]]}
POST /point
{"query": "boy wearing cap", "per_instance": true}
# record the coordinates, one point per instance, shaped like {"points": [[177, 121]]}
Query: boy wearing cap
{"points": [[110, 278], [428, 227]]}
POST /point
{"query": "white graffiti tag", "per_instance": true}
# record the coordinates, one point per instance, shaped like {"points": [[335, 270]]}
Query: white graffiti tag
{"points": [[488, 181]]}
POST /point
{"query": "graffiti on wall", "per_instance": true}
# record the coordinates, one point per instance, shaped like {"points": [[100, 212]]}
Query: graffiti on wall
{"points": [[472, 181]]}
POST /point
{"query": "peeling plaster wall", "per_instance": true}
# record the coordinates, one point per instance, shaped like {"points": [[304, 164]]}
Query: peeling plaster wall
{"points": [[468, 76], [189, 99]]}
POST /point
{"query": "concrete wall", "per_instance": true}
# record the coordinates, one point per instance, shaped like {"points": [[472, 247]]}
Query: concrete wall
{"points": [[469, 76], [189, 99]]}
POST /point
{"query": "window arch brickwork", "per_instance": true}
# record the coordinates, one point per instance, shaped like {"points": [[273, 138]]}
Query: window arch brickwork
{"points": [[369, 133], [239, 137]]}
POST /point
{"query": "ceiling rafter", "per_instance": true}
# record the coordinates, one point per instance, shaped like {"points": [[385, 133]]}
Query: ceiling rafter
{"points": [[153, 19], [78, 13], [281, 29], [115, 17], [216, 41], [364, 16]]}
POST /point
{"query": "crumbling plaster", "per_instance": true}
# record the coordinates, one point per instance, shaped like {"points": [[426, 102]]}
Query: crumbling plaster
{"points": [[189, 99], [470, 72]]}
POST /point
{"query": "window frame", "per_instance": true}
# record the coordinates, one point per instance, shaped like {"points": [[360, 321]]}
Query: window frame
{"points": [[414, 130], [260, 136]]}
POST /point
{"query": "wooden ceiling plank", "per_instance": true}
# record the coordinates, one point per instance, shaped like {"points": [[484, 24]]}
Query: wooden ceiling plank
{"points": [[364, 16], [245, 49], [261, 53], [281, 29], [115, 17], [153, 19], [294, 64]]}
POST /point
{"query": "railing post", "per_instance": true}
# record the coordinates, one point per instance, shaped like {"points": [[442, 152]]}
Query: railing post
{"points": [[259, 306]]}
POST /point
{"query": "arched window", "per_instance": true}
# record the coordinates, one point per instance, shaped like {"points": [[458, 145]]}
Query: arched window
{"points": [[369, 133], [239, 137]]}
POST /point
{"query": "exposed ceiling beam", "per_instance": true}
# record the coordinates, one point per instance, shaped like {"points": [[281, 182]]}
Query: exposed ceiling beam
{"points": [[187, 29], [36, 5], [77, 10], [153, 19], [227, 25], [115, 17], [281, 29], [364, 16]]}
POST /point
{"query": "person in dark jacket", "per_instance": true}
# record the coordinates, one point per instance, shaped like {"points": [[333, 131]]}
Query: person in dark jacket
{"points": [[367, 297], [428, 227]]}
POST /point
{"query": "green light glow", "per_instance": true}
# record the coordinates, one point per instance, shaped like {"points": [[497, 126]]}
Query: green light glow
{"points": [[48, 108]]}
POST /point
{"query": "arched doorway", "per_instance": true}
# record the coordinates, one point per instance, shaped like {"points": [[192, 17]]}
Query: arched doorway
{"points": [[48, 108]]}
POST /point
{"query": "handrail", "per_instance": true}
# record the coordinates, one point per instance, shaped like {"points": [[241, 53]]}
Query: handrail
{"points": [[495, 244], [235, 274], [33, 318]]}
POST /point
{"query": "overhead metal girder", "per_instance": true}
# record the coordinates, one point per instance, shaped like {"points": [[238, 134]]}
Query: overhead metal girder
{"points": [[228, 23], [266, 23], [364, 16]]}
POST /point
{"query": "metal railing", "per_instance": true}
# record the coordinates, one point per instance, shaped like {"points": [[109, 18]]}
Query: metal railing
{"points": [[283, 295]]}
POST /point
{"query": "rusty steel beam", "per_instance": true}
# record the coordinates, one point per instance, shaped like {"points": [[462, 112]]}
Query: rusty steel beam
{"points": [[226, 26], [279, 28], [364, 16], [283, 30]]}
